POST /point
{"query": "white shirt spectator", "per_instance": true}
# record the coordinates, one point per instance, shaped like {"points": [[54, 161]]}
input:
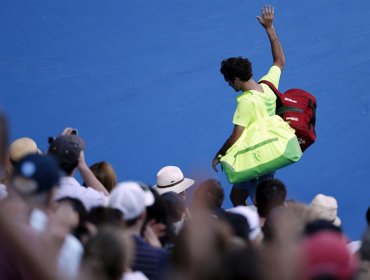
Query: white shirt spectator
{"points": [[71, 252], [69, 258], [354, 246], [70, 187], [3, 192]]}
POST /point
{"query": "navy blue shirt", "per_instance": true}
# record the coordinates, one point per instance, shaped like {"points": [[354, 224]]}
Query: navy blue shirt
{"points": [[149, 260]]}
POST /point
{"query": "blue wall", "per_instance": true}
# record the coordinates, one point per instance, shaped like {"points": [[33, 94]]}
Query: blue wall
{"points": [[140, 80]]}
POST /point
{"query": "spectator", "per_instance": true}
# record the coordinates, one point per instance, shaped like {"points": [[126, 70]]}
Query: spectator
{"points": [[176, 209], [326, 207], [104, 257], [363, 272], [171, 179], [240, 229], [270, 193], [283, 232], [209, 195], [78, 208], [3, 141], [255, 232], [233, 265], [18, 149], [356, 245], [287, 224], [102, 216], [3, 153], [325, 256], [14, 264], [21, 147], [320, 225], [68, 149], [108, 256], [199, 247], [35, 178], [157, 217], [132, 200], [104, 172]]}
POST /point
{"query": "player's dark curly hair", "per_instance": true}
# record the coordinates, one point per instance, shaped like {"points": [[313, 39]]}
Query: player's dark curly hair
{"points": [[236, 67]]}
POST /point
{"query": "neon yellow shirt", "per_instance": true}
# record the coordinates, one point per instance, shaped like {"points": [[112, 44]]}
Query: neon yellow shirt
{"points": [[253, 105]]}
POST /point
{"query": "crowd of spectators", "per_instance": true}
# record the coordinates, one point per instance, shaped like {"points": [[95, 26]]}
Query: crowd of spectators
{"points": [[55, 227]]}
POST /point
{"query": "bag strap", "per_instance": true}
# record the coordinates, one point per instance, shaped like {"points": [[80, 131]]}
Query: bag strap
{"points": [[277, 93], [280, 109], [271, 85]]}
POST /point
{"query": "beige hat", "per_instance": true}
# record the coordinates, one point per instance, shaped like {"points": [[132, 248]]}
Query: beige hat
{"points": [[171, 179], [22, 147], [326, 207]]}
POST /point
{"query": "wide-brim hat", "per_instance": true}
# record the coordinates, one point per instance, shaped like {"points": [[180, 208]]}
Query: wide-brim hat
{"points": [[326, 208], [171, 179]]}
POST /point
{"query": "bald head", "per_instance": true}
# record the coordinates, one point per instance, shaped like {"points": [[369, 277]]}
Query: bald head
{"points": [[210, 194]]}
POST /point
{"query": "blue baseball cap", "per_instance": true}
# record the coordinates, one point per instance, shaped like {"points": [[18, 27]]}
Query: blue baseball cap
{"points": [[35, 174]]}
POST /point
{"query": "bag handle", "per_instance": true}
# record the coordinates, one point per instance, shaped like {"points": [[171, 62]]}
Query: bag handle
{"points": [[283, 109]]}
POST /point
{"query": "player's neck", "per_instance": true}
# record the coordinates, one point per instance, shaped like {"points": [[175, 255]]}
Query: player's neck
{"points": [[251, 85]]}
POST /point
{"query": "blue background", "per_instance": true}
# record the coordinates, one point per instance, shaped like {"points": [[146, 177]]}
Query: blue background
{"points": [[140, 80]]}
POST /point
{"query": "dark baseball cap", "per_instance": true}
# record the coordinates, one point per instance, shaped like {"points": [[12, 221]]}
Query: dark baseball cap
{"points": [[35, 174], [66, 148]]}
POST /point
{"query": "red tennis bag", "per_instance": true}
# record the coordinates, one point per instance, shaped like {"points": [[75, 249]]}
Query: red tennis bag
{"points": [[298, 108]]}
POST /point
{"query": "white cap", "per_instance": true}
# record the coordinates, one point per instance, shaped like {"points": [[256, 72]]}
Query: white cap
{"points": [[171, 179], [252, 217], [131, 199], [326, 207]]}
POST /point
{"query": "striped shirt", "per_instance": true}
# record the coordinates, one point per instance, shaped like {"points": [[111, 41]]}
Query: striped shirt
{"points": [[149, 260]]}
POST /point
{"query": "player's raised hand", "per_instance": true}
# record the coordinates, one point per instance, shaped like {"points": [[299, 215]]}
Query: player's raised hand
{"points": [[267, 16]]}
